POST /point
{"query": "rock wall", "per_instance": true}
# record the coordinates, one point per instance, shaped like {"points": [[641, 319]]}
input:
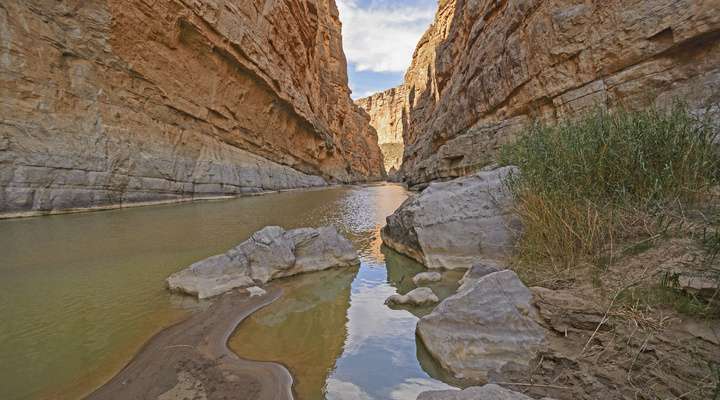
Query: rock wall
{"points": [[486, 68], [386, 116], [107, 102]]}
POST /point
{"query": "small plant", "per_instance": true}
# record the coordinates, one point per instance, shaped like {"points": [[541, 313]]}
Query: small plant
{"points": [[588, 184]]}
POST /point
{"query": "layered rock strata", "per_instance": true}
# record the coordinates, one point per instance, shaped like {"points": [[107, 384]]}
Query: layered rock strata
{"points": [[485, 69], [270, 253], [386, 116], [113, 102]]}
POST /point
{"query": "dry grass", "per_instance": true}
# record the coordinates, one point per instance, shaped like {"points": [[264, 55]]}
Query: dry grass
{"points": [[607, 179]]}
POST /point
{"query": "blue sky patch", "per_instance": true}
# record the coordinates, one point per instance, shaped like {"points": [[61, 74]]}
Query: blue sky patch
{"points": [[379, 37]]}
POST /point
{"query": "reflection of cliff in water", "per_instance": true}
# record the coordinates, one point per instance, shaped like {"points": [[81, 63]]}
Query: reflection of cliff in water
{"points": [[433, 368], [305, 329], [401, 270]]}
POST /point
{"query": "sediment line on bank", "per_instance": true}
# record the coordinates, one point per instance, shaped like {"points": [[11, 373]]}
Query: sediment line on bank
{"points": [[192, 358]]}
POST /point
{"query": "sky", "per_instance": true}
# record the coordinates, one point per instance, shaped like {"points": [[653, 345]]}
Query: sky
{"points": [[379, 37]]}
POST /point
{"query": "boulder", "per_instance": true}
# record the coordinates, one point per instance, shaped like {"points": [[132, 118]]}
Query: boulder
{"points": [[487, 328], [426, 277], [477, 271], [453, 224], [270, 253], [487, 392], [416, 297]]}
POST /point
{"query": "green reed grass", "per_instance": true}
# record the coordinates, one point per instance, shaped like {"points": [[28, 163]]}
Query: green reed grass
{"points": [[587, 182]]}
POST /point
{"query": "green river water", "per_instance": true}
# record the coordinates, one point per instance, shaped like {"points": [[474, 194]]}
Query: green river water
{"points": [[81, 293]]}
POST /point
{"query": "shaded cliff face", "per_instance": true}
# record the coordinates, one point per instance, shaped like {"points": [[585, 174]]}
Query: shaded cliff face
{"points": [[386, 116], [117, 101], [485, 69]]}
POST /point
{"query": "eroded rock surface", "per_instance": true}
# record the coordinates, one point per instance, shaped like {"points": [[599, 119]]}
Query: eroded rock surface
{"points": [[485, 330], [115, 102], [485, 69], [270, 253], [454, 224]]}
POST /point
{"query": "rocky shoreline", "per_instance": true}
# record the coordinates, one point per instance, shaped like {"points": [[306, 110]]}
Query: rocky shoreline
{"points": [[559, 340]]}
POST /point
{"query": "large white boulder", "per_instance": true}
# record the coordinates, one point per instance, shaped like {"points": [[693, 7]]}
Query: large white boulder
{"points": [[453, 224], [485, 330], [270, 253]]}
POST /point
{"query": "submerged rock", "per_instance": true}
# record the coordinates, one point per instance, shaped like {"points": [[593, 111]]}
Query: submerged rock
{"points": [[487, 328], [453, 224], [425, 277], [487, 392], [416, 297], [270, 253]]}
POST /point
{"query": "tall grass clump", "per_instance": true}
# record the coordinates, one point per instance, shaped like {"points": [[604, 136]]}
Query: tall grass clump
{"points": [[585, 184]]}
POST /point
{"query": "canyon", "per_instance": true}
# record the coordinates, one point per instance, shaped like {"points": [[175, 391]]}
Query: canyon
{"points": [[386, 116], [355, 289], [485, 70], [109, 103]]}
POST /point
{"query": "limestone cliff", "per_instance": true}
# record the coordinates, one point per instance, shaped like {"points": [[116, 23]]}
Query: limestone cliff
{"points": [[107, 102], [486, 68], [386, 116]]}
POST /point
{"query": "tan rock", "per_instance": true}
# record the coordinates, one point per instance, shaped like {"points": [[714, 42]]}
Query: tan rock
{"points": [[485, 69], [124, 101], [386, 116]]}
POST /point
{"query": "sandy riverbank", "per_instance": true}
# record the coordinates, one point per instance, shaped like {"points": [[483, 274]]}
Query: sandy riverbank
{"points": [[191, 360]]}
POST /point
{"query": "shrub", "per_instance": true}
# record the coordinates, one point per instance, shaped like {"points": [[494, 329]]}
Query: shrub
{"points": [[588, 182]]}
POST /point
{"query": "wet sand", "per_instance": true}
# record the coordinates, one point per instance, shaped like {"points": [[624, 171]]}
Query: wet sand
{"points": [[191, 360]]}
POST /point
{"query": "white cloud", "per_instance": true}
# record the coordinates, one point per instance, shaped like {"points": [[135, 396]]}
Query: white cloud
{"points": [[411, 388], [382, 36], [340, 390]]}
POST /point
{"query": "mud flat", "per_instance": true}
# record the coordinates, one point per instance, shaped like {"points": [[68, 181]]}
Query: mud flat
{"points": [[191, 359]]}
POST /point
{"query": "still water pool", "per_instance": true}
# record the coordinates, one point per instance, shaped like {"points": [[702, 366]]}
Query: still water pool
{"points": [[80, 294]]}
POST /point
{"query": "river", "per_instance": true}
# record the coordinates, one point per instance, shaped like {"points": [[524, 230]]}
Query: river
{"points": [[81, 293]]}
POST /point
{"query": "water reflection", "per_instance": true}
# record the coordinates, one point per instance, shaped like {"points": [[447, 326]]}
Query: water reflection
{"points": [[379, 352], [313, 310], [79, 295], [402, 269]]}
